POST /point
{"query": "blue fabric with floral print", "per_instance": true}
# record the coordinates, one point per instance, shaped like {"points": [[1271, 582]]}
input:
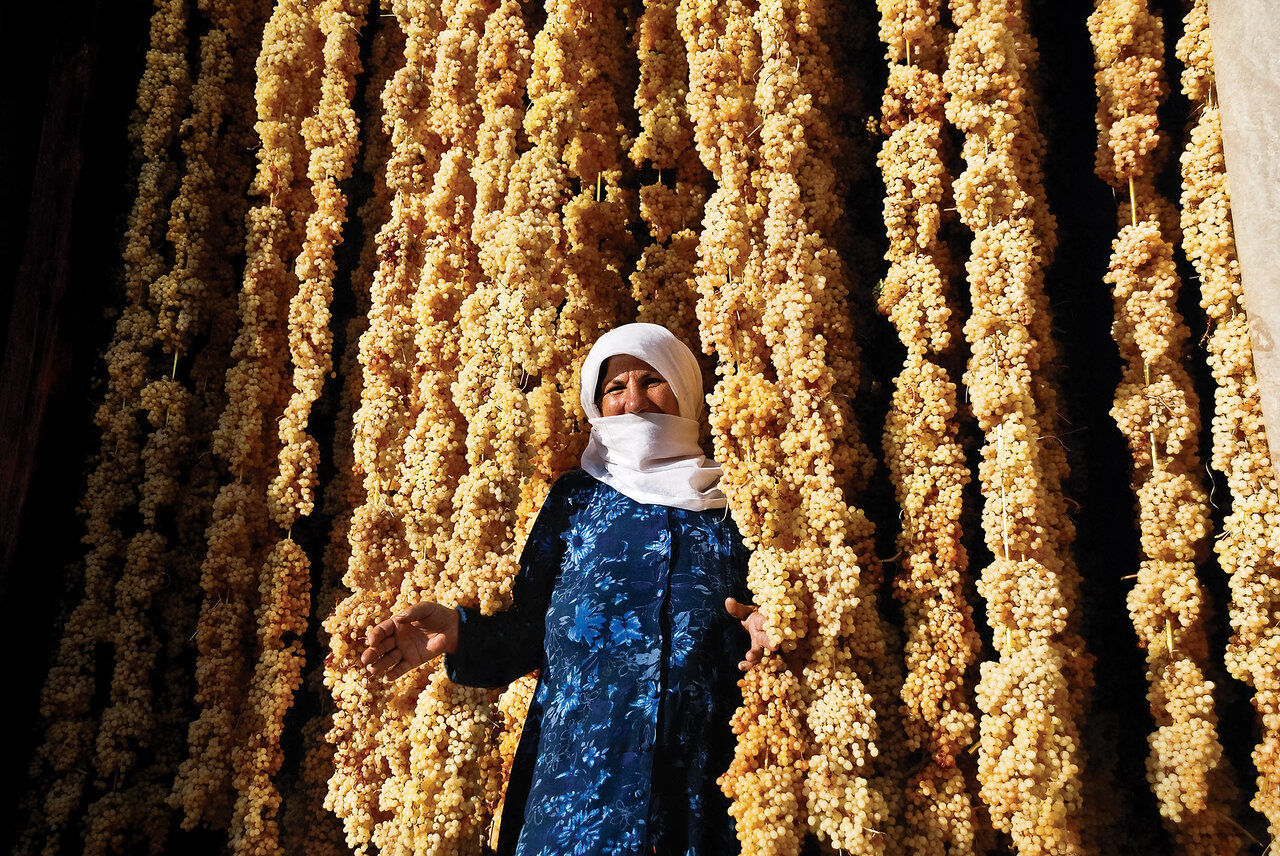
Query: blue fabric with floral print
{"points": [[620, 604]]}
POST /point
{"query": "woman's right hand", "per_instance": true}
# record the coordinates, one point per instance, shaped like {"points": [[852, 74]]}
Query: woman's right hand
{"points": [[405, 641]]}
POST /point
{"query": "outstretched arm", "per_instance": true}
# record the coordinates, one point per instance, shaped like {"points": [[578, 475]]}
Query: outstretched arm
{"points": [[405, 641], [494, 650], [481, 650]]}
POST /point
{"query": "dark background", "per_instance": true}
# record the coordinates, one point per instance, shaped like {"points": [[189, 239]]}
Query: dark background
{"points": [[71, 71]]}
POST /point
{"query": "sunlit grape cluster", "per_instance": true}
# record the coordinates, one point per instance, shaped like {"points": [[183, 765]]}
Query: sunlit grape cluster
{"points": [[490, 390], [1248, 548], [765, 780], [1030, 777], [671, 206], [237, 538], [330, 136], [809, 337], [771, 306], [748, 408], [577, 92], [307, 822], [921, 446], [449, 781], [1157, 410], [371, 718]]}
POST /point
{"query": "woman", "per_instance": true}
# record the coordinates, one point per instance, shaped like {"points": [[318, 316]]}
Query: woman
{"points": [[618, 603]]}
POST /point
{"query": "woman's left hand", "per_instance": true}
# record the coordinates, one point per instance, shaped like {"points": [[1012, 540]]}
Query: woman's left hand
{"points": [[754, 624]]}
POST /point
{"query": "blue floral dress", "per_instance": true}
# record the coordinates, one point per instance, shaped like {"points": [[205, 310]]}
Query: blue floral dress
{"points": [[620, 604]]}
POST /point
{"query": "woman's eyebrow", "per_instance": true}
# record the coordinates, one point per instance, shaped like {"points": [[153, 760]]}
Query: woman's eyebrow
{"points": [[645, 374]]}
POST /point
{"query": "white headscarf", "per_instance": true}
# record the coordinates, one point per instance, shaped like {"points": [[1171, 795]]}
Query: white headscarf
{"points": [[651, 457]]}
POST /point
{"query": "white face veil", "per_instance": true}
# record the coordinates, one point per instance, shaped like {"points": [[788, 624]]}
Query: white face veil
{"points": [[651, 457]]}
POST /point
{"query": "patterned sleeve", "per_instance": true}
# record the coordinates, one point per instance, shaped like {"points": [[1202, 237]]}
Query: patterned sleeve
{"points": [[494, 650]]}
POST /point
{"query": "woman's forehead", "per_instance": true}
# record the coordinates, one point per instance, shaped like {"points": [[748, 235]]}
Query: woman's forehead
{"points": [[623, 363]]}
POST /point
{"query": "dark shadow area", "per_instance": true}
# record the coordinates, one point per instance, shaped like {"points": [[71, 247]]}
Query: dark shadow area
{"points": [[102, 40]]}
